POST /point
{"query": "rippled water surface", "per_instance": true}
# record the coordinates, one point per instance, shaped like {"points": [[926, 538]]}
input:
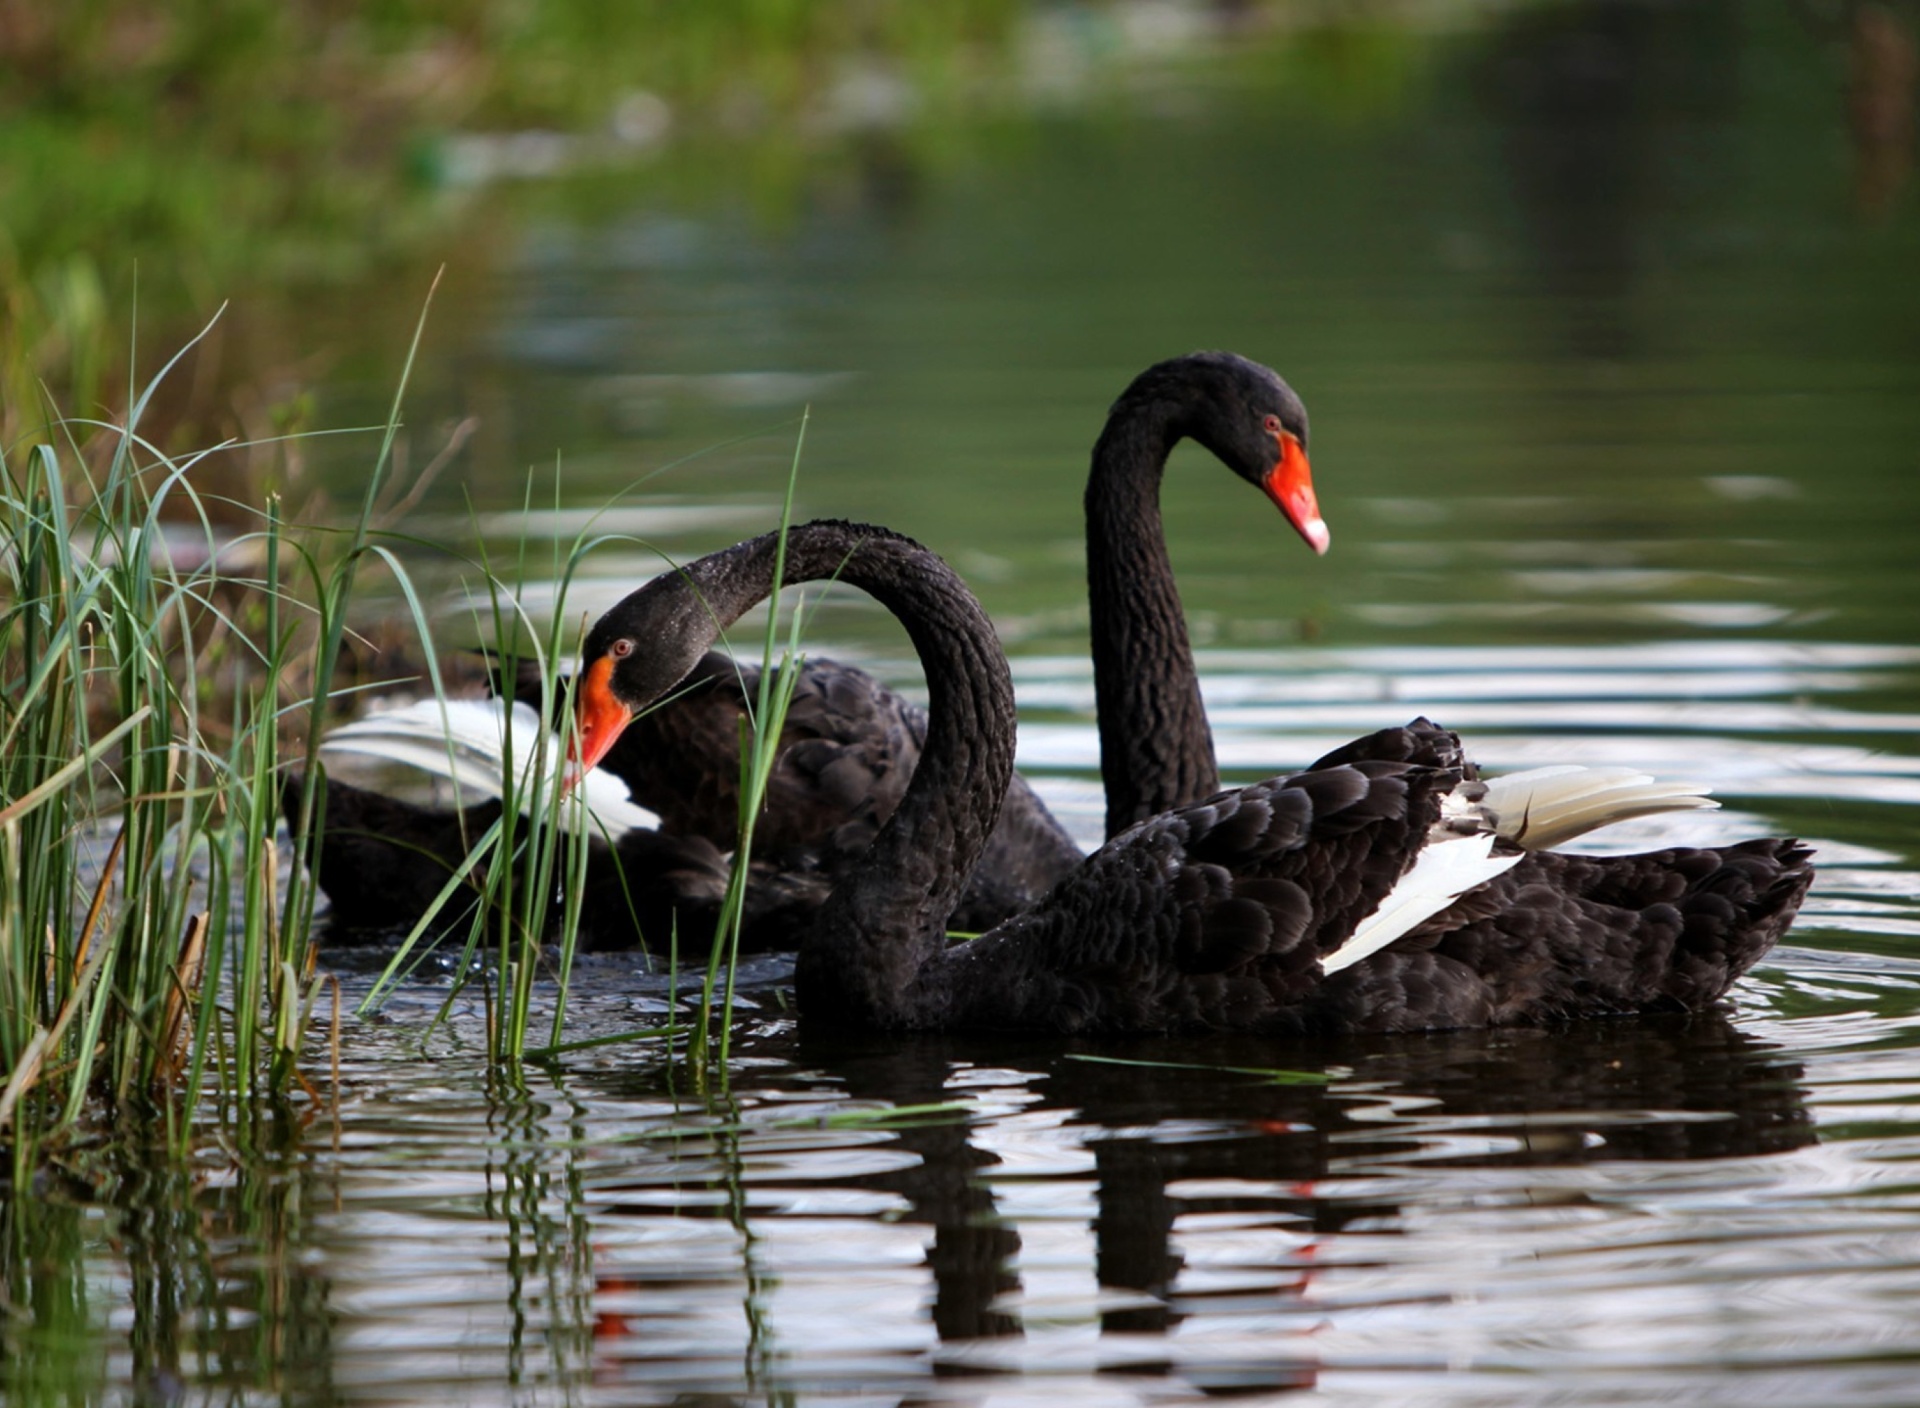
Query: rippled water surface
{"points": [[1610, 347]]}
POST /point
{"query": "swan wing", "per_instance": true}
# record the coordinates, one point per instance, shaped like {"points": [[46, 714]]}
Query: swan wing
{"points": [[1536, 809], [1443, 872], [465, 741]]}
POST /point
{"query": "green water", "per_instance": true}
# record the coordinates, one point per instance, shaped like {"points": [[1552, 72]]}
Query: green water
{"points": [[1613, 359], [1521, 300]]}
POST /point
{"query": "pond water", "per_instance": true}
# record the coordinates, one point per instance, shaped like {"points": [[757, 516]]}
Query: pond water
{"points": [[1607, 320]]}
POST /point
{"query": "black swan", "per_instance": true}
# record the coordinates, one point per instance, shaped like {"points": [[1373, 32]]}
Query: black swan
{"points": [[851, 743], [384, 861], [1156, 750], [1369, 893]]}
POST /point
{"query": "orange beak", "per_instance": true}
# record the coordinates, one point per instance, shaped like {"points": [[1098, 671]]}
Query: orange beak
{"points": [[1290, 485], [600, 717]]}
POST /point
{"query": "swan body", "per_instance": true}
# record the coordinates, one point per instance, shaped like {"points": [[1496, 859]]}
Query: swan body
{"points": [[1303, 903], [384, 862], [849, 747]]}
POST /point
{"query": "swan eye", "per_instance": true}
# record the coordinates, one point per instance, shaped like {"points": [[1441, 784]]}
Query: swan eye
{"points": [[1273, 425], [620, 649]]}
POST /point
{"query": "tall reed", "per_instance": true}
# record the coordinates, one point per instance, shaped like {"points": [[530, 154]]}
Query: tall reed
{"points": [[759, 750], [519, 887], [149, 955], [523, 878]]}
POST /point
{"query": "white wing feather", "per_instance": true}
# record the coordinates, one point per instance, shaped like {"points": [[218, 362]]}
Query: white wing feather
{"points": [[464, 741], [1545, 807], [1444, 871]]}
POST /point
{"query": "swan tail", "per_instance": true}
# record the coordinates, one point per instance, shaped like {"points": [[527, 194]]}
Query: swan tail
{"points": [[1546, 807], [1444, 871], [465, 742]]}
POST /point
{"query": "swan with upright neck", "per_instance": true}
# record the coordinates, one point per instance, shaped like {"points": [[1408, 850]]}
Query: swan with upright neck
{"points": [[1281, 906], [1156, 750]]}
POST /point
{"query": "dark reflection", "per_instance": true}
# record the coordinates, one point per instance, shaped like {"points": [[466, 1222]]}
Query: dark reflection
{"points": [[973, 1249], [1588, 98], [1655, 1089], [536, 1200], [215, 1278]]}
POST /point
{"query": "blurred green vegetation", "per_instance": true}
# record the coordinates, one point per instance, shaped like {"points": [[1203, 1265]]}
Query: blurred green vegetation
{"points": [[167, 155], [157, 159]]}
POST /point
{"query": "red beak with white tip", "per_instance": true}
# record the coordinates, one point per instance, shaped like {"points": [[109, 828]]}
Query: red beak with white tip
{"points": [[599, 717], [1290, 485]]}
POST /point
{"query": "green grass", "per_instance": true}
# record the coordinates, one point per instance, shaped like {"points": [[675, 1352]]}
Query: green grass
{"points": [[157, 958], [759, 749], [523, 877]]}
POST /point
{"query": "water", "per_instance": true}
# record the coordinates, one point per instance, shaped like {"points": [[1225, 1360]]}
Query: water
{"points": [[1608, 338]]}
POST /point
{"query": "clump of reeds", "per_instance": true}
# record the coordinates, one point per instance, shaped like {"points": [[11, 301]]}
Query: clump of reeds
{"points": [[523, 878], [149, 952], [519, 887]]}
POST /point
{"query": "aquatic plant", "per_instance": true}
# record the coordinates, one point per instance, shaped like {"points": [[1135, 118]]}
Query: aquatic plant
{"points": [[767, 719], [523, 879], [150, 955]]}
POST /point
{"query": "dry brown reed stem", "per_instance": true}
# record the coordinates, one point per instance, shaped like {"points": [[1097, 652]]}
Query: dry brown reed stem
{"points": [[182, 993], [334, 1046], [391, 513], [99, 904]]}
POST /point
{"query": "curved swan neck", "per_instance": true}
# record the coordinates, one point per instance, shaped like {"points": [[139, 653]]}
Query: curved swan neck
{"points": [[1156, 751], [887, 917]]}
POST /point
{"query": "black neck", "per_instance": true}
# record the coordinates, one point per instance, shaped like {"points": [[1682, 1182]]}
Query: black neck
{"points": [[1156, 750], [888, 917]]}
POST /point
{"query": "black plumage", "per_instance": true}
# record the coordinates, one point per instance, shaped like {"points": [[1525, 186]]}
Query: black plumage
{"points": [[1216, 914], [848, 749]]}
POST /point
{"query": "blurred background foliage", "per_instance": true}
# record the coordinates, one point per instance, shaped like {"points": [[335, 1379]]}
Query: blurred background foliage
{"points": [[183, 152], [1598, 168], [160, 157]]}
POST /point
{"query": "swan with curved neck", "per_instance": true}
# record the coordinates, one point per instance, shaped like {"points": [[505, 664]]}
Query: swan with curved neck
{"points": [[1376, 891], [1156, 750]]}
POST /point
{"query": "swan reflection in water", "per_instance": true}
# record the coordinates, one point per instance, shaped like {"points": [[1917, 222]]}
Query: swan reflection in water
{"points": [[1215, 1196]]}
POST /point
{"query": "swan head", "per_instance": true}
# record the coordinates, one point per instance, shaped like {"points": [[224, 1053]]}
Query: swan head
{"points": [[635, 654], [1249, 417]]}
